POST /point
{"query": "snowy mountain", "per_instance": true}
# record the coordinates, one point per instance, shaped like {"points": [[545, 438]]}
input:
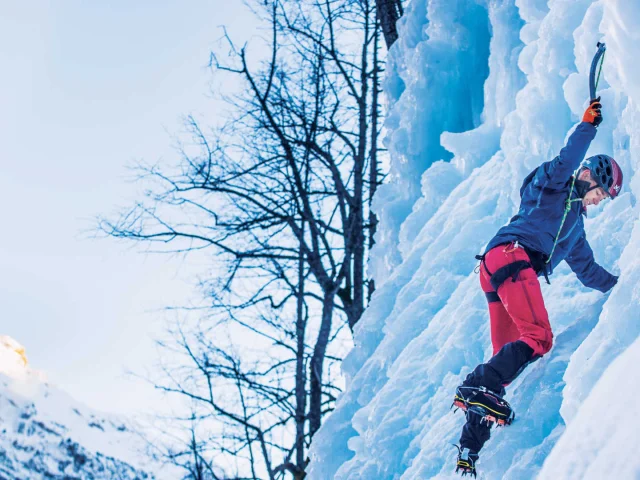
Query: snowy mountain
{"points": [[47, 434], [480, 93]]}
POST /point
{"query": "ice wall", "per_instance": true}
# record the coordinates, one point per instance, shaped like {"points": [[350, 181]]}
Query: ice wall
{"points": [[427, 325], [453, 43]]}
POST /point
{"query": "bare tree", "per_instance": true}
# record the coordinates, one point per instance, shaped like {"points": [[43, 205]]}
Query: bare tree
{"points": [[281, 197], [192, 458]]}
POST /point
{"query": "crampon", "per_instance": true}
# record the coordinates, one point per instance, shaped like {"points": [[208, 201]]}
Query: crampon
{"points": [[490, 407]]}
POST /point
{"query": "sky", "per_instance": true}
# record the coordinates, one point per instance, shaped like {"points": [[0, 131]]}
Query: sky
{"points": [[87, 89]]}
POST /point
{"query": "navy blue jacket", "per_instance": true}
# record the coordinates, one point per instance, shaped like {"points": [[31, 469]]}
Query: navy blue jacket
{"points": [[544, 193]]}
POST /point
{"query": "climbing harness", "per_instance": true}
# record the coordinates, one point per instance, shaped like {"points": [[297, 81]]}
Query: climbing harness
{"points": [[511, 270]]}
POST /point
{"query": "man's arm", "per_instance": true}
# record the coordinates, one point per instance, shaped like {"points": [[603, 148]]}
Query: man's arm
{"points": [[560, 169], [592, 275]]}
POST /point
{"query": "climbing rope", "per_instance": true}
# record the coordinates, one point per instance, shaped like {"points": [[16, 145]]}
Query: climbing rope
{"points": [[567, 209]]}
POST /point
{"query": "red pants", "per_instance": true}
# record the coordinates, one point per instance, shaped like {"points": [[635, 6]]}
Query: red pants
{"points": [[520, 314]]}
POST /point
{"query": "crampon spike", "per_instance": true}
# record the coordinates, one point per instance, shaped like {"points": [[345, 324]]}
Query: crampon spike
{"points": [[466, 471]]}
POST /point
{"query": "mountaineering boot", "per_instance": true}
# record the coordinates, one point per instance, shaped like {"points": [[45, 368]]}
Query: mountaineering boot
{"points": [[466, 461], [489, 406]]}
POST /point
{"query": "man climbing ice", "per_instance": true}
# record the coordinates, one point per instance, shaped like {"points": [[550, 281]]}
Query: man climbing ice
{"points": [[547, 229]]}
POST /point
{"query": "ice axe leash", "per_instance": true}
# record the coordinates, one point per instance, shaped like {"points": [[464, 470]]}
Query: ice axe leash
{"points": [[598, 59]]}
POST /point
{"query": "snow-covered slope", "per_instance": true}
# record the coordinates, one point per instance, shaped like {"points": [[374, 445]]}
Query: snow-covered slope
{"points": [[481, 92], [44, 433]]}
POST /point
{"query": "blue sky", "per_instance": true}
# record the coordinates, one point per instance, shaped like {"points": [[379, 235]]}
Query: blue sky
{"points": [[87, 88]]}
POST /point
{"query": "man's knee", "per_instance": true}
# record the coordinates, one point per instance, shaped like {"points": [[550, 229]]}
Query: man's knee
{"points": [[541, 344], [546, 344]]}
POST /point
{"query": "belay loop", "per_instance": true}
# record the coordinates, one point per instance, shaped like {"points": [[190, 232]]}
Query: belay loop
{"points": [[593, 80]]}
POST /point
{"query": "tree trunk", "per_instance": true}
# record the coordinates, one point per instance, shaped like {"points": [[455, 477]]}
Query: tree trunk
{"points": [[373, 166], [389, 11], [356, 231], [317, 363], [301, 378]]}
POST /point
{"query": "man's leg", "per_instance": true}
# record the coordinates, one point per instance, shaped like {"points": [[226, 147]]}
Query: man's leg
{"points": [[520, 333], [503, 330], [522, 300], [475, 433]]}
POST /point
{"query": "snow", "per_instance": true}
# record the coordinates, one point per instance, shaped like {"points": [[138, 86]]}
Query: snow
{"points": [[480, 92], [592, 449], [48, 434], [13, 359]]}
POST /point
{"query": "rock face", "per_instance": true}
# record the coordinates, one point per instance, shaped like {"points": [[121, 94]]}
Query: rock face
{"points": [[44, 433]]}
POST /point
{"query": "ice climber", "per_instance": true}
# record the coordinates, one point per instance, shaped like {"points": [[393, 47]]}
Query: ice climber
{"points": [[547, 229]]}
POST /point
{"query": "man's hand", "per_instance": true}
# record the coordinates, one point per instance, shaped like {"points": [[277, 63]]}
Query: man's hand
{"points": [[592, 114]]}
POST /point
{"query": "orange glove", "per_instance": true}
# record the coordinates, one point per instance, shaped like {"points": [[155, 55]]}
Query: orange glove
{"points": [[592, 114]]}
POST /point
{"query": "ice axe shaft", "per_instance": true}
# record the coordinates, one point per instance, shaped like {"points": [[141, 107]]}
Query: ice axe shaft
{"points": [[594, 73]]}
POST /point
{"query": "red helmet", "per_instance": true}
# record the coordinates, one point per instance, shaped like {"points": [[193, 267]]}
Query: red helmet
{"points": [[606, 172]]}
